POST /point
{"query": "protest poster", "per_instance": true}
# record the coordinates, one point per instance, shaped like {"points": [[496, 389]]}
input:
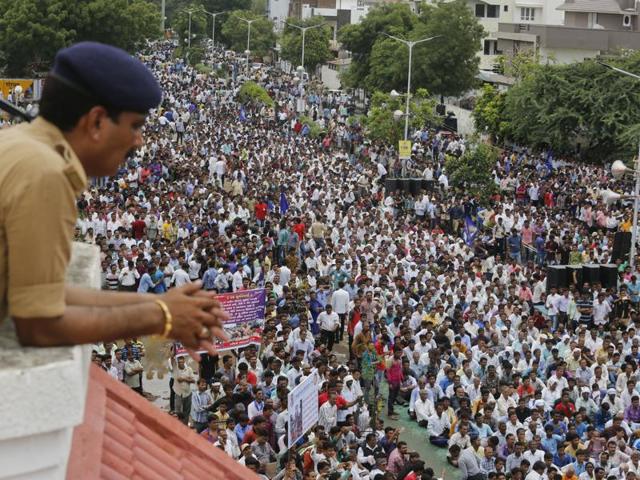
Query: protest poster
{"points": [[303, 410], [246, 319], [404, 147]]}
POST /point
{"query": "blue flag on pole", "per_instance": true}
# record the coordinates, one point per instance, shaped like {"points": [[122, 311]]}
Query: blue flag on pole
{"points": [[243, 115], [549, 161], [284, 205], [470, 230]]}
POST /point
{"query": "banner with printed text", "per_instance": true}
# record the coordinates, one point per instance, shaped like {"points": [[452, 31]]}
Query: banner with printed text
{"points": [[404, 148], [303, 410], [246, 319]]}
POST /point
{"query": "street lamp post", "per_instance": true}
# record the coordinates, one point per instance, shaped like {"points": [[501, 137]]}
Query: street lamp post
{"points": [[304, 33], [213, 29], [619, 169], [163, 13], [248, 22], [190, 12], [410, 44]]}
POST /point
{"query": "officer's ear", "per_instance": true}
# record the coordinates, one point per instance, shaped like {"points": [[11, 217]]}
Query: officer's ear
{"points": [[94, 122]]}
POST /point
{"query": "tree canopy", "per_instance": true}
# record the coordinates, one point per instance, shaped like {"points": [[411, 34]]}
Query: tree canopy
{"points": [[381, 125], [174, 7], [252, 93], [31, 31], [446, 65], [317, 39], [472, 172], [561, 106], [235, 30], [199, 28]]}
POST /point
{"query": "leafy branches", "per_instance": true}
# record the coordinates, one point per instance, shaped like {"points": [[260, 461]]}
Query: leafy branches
{"points": [[447, 65]]}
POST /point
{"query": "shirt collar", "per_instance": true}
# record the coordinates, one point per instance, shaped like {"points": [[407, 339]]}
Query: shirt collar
{"points": [[74, 171]]}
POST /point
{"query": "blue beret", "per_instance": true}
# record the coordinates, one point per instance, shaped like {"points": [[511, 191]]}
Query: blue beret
{"points": [[109, 74]]}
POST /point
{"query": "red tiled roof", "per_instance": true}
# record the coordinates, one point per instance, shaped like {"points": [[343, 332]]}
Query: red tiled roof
{"points": [[124, 437]]}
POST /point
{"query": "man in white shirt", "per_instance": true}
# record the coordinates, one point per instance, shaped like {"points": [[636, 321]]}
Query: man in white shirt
{"points": [[424, 408], [329, 323], [128, 277], [236, 282], [328, 413], [340, 304], [439, 426], [601, 310], [255, 408], [180, 276]]}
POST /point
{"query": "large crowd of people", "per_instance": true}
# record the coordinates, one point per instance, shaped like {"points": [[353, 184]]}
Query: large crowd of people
{"points": [[374, 293]]}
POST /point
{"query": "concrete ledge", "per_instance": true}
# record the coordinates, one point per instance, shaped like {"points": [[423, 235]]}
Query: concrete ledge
{"points": [[44, 390]]}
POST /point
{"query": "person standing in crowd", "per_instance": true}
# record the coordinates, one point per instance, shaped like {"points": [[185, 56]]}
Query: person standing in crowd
{"points": [[183, 379]]}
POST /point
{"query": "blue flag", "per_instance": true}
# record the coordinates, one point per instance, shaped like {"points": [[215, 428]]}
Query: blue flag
{"points": [[549, 161], [470, 230], [243, 115], [284, 205]]}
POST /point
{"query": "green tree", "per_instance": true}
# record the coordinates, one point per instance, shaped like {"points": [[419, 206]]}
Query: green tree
{"points": [[488, 112], [446, 65], [252, 93], [31, 31], [449, 64], [317, 39], [234, 32], [561, 106], [359, 39], [199, 28], [381, 124], [518, 65], [472, 172]]}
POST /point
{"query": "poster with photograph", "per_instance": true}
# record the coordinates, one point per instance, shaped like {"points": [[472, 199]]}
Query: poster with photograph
{"points": [[303, 410], [246, 319]]}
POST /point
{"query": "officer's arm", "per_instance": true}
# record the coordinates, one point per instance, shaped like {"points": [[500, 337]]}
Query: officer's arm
{"points": [[86, 324], [80, 296]]}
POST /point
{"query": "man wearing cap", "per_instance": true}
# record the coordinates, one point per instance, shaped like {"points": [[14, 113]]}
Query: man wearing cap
{"points": [[92, 111], [585, 401]]}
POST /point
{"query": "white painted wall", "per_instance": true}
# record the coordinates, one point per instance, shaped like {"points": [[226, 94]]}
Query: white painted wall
{"points": [[278, 11], [44, 392], [466, 126], [330, 78], [565, 55]]}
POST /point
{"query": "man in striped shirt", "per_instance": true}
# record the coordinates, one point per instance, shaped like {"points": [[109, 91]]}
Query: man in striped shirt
{"points": [[201, 402], [585, 307]]}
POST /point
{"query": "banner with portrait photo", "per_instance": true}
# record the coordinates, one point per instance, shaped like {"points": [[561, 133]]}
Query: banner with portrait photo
{"points": [[303, 410], [246, 320]]}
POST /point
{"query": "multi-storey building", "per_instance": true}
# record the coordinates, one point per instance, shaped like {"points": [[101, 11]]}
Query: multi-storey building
{"points": [[565, 30]]}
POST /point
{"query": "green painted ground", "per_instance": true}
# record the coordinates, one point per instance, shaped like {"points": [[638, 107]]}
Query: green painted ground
{"points": [[416, 438]]}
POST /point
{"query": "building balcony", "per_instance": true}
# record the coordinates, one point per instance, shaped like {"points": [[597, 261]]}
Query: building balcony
{"points": [[563, 37]]}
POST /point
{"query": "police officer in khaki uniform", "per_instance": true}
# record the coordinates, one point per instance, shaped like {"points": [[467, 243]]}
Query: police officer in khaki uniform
{"points": [[92, 111]]}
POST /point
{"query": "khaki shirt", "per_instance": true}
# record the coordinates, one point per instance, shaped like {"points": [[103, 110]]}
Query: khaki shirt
{"points": [[40, 178]]}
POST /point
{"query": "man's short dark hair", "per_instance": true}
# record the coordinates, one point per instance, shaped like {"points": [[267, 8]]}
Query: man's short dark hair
{"points": [[63, 105]]}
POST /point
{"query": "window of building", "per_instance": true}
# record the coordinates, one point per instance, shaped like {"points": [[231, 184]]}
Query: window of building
{"points": [[493, 11], [491, 47], [506, 8], [480, 10], [527, 14]]}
